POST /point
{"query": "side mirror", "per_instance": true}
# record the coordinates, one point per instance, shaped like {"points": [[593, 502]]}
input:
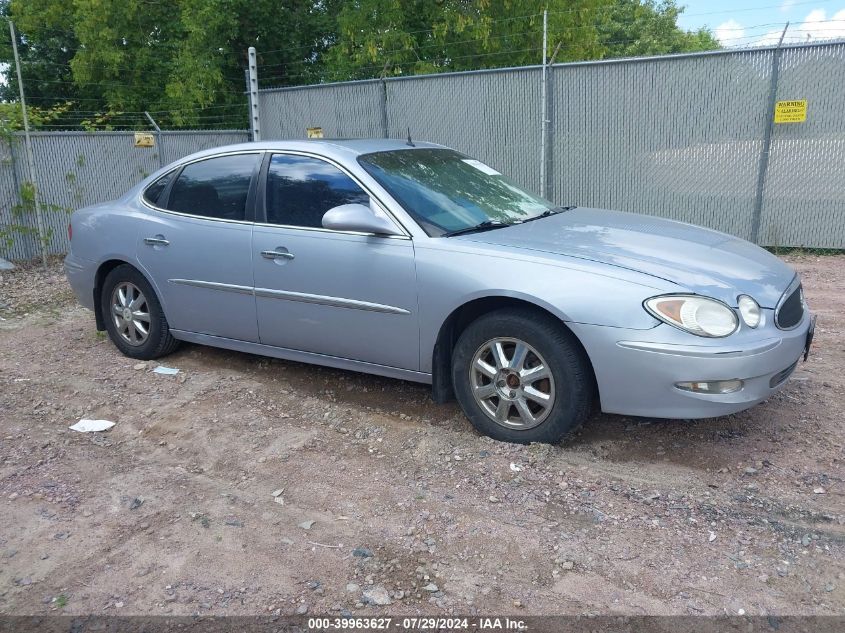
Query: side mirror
{"points": [[359, 218]]}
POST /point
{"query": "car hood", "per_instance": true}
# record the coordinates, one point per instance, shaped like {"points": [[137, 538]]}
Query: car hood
{"points": [[700, 260]]}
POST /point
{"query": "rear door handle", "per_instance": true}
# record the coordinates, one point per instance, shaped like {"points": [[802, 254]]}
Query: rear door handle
{"points": [[156, 241], [276, 255]]}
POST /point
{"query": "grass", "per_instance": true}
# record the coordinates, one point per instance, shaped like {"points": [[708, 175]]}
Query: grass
{"points": [[61, 601]]}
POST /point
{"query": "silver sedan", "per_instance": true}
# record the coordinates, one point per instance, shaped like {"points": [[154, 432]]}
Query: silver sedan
{"points": [[413, 261]]}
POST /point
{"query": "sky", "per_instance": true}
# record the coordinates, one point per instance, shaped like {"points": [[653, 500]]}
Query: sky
{"points": [[761, 22]]}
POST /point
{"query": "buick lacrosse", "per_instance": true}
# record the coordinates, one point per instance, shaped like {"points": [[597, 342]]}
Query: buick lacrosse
{"points": [[413, 261]]}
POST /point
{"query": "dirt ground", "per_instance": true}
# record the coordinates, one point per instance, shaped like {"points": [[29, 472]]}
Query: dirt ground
{"points": [[383, 497]]}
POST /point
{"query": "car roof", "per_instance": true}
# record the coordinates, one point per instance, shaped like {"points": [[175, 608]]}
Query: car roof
{"points": [[327, 146]]}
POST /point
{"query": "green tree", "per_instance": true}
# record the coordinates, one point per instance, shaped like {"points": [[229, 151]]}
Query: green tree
{"points": [[184, 60], [45, 56], [413, 36], [102, 63], [393, 37], [647, 27]]}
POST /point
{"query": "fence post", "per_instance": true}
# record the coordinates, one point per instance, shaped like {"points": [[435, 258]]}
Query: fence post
{"points": [[252, 89], [544, 108], [29, 158], [763, 167], [158, 138], [385, 132]]}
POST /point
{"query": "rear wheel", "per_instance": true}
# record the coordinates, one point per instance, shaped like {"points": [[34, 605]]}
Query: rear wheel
{"points": [[134, 319], [521, 377]]}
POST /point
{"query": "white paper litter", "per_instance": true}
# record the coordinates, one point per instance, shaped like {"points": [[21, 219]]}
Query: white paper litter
{"points": [[515, 468], [91, 426], [166, 371]]}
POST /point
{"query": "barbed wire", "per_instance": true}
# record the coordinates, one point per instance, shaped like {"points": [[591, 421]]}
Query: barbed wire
{"points": [[313, 68]]}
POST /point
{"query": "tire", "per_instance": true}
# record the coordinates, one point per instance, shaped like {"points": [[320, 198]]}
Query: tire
{"points": [[545, 343], [124, 281]]}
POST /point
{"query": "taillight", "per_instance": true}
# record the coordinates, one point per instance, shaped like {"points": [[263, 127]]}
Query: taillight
{"points": [[69, 231]]}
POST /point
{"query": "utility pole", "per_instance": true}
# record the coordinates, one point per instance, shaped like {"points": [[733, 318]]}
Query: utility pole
{"points": [[545, 107], [29, 158], [252, 88]]}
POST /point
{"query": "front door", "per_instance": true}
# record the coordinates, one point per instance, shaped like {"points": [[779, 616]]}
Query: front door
{"points": [[200, 251], [341, 294]]}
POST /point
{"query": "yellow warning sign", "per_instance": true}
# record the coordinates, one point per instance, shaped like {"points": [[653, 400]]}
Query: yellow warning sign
{"points": [[314, 132], [144, 139], [791, 111]]}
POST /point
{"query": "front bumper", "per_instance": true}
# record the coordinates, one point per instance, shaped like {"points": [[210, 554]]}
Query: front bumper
{"points": [[637, 370]]}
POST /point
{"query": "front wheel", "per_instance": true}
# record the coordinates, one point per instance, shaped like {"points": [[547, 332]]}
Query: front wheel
{"points": [[134, 319], [521, 377]]}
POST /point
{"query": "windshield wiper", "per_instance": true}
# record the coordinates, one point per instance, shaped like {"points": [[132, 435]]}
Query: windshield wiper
{"points": [[487, 225], [548, 212]]}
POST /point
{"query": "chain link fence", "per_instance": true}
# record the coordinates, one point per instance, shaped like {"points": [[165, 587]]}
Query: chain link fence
{"points": [[679, 136], [76, 169]]}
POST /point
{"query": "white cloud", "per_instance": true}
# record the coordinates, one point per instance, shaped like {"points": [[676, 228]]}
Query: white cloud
{"points": [[814, 27], [728, 32], [786, 5], [817, 26]]}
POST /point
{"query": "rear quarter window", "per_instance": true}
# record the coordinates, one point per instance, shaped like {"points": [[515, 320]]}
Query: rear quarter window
{"points": [[152, 194]]}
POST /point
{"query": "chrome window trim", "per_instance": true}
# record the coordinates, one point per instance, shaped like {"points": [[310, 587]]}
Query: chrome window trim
{"points": [[191, 162], [358, 181]]}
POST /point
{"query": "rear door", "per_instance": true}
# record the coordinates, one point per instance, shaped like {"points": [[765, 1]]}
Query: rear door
{"points": [[342, 294], [198, 246]]}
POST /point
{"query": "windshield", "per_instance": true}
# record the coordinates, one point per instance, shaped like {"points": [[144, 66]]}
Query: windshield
{"points": [[446, 192]]}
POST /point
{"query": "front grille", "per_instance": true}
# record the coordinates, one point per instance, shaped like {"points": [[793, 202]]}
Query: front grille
{"points": [[791, 311], [782, 375]]}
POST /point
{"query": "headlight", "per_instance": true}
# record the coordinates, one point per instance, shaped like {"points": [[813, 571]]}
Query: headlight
{"points": [[750, 310], [697, 315]]}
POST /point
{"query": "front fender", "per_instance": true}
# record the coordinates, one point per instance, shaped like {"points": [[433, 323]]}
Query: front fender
{"points": [[574, 291]]}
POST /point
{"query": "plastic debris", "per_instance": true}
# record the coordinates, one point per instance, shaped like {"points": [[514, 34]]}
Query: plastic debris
{"points": [[91, 426], [306, 525], [515, 468], [165, 371]]}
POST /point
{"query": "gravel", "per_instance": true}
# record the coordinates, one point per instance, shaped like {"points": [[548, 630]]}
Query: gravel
{"points": [[617, 520]]}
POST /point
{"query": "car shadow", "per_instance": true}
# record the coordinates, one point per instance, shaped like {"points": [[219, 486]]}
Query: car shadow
{"points": [[691, 443]]}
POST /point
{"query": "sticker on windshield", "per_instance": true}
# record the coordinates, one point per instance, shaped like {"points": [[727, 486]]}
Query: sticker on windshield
{"points": [[481, 167]]}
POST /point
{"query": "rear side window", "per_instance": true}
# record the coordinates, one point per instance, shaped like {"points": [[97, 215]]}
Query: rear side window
{"points": [[152, 194], [301, 189], [214, 188]]}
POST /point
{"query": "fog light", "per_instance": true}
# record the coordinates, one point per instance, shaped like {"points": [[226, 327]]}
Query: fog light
{"points": [[711, 386]]}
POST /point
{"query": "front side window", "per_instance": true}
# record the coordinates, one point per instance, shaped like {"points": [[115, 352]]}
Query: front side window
{"points": [[214, 188], [301, 189], [445, 191], [152, 194]]}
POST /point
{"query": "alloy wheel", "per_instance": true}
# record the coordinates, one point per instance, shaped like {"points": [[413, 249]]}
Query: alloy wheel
{"points": [[512, 383], [130, 313]]}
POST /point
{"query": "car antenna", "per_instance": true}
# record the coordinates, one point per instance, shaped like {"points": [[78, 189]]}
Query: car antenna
{"points": [[410, 142]]}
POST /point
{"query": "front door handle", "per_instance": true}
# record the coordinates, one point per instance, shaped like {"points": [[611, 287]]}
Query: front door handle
{"points": [[276, 255], [156, 241]]}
